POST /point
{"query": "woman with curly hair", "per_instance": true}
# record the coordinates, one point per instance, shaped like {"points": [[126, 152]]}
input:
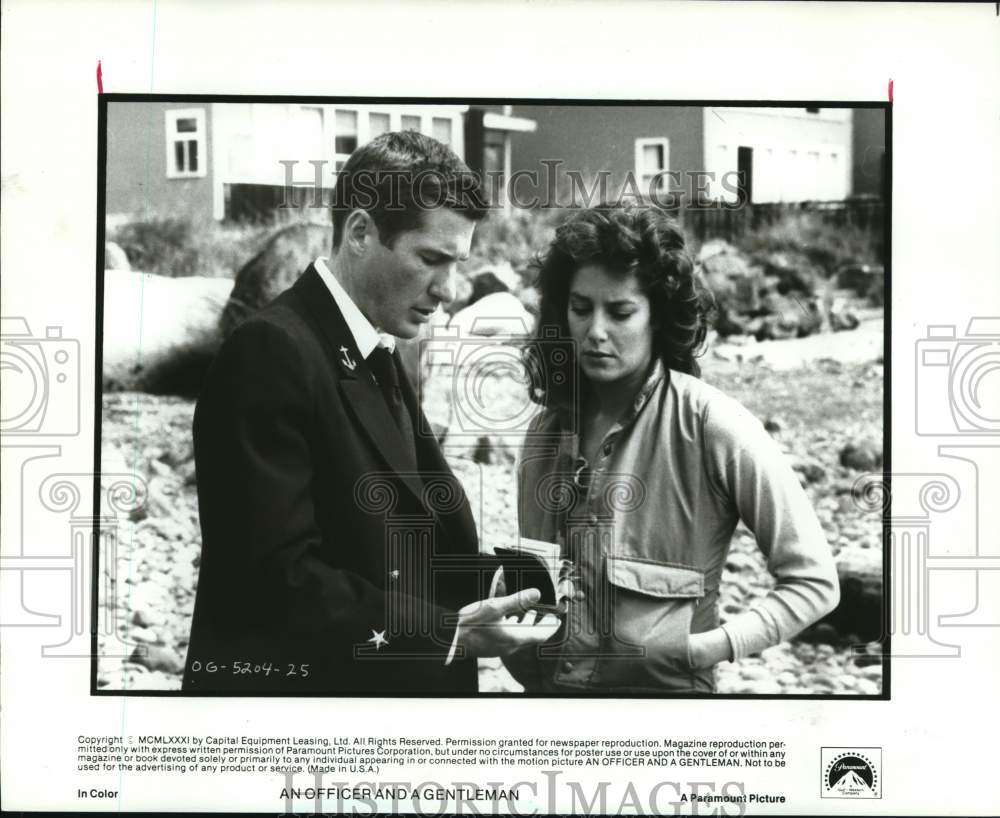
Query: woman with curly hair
{"points": [[640, 471]]}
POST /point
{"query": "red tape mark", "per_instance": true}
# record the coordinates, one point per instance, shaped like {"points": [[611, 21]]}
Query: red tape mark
{"points": [[100, 83], [890, 92]]}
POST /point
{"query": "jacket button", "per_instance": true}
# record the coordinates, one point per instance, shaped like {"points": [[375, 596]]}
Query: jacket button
{"points": [[394, 574], [567, 666]]}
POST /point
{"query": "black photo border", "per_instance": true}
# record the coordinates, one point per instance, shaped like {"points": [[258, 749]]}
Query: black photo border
{"points": [[103, 100]]}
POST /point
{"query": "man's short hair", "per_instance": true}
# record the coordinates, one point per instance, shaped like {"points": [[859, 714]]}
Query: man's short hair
{"points": [[397, 176]]}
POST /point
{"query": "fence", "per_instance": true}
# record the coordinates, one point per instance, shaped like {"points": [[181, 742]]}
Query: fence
{"points": [[720, 222]]}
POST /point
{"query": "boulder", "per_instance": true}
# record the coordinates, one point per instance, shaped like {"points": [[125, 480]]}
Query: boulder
{"points": [[795, 272], [734, 283], [502, 273], [114, 257], [788, 316], [862, 455], [160, 334], [497, 314], [485, 284], [860, 277], [273, 270], [860, 610], [841, 317], [153, 657], [811, 470]]}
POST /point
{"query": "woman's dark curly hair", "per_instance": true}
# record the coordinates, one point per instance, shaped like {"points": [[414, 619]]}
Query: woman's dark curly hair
{"points": [[639, 239]]}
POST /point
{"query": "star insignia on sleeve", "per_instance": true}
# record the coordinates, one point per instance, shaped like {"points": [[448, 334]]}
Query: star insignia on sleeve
{"points": [[378, 639]]}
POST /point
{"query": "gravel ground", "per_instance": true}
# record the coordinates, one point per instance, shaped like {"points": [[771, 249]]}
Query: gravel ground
{"points": [[814, 410]]}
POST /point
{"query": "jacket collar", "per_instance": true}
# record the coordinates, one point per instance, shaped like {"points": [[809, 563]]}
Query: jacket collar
{"points": [[356, 382]]}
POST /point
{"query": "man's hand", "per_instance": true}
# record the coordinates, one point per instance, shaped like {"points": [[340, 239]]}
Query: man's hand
{"points": [[500, 625]]}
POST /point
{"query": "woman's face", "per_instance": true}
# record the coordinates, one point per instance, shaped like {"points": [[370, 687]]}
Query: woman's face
{"points": [[610, 320]]}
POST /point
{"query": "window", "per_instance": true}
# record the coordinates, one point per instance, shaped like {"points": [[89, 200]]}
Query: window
{"points": [[187, 157], [410, 123], [441, 129], [308, 125], [345, 138], [652, 160], [378, 124]]}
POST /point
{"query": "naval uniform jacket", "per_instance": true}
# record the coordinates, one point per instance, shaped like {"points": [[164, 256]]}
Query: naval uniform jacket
{"points": [[333, 558]]}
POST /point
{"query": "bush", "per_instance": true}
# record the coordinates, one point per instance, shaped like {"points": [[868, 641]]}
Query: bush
{"points": [[181, 246], [810, 234], [514, 239]]}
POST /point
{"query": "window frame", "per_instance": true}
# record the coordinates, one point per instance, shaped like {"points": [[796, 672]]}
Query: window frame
{"points": [[173, 136], [641, 143]]}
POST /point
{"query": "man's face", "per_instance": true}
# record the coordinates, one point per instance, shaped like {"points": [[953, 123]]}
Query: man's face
{"points": [[400, 286]]}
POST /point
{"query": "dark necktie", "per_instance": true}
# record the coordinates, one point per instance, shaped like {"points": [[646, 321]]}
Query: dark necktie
{"points": [[384, 369]]}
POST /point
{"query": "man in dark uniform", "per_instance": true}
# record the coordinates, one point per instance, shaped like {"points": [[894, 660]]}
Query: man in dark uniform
{"points": [[339, 554]]}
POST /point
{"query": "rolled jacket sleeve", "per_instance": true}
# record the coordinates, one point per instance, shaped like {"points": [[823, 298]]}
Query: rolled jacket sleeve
{"points": [[754, 473]]}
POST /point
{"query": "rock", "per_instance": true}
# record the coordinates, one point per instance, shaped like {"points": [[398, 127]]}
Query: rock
{"points": [[795, 272], [115, 258], [497, 314], [861, 277], [846, 680], [860, 610], [861, 456], [734, 283], [137, 634], [791, 316], [729, 324], [805, 652], [186, 472], [867, 687], [775, 653], [154, 657], [164, 331], [273, 270], [810, 469], [486, 283], [760, 687], [736, 561], [148, 617], [816, 680], [876, 288], [754, 672], [787, 678], [872, 672], [774, 424], [843, 319]]}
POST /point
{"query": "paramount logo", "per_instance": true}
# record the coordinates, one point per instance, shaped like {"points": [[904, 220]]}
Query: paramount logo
{"points": [[852, 772]]}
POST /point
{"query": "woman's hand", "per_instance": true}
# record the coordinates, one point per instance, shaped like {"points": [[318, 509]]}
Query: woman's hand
{"points": [[709, 648]]}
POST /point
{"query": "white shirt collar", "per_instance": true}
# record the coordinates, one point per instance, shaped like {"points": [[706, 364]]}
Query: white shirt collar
{"points": [[366, 337]]}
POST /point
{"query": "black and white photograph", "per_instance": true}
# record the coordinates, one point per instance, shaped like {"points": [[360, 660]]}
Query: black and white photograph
{"points": [[499, 408], [456, 398]]}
